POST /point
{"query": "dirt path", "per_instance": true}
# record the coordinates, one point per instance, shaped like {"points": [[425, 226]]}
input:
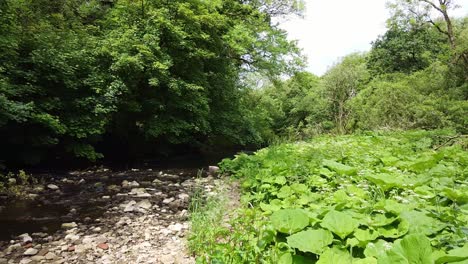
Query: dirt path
{"points": [[144, 222]]}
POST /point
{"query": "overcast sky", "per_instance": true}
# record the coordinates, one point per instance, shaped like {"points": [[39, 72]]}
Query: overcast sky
{"points": [[334, 28]]}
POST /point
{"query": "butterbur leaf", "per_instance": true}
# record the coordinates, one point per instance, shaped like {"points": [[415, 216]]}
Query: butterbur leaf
{"points": [[285, 258], [299, 188], [377, 249], [273, 206], [281, 180], [314, 241], [365, 261], [289, 221], [365, 235], [340, 168], [335, 256], [419, 222], [386, 181], [394, 232], [454, 255], [339, 223], [383, 219], [284, 192], [414, 248]]}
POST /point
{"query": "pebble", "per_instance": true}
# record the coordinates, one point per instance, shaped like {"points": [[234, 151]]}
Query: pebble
{"points": [[69, 225], [30, 252], [168, 200], [50, 256], [52, 187], [103, 246], [25, 238], [37, 258], [144, 204]]}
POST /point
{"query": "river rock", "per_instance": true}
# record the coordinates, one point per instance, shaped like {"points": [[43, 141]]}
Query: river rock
{"points": [[40, 234], [183, 196], [168, 200], [144, 204], [3, 261], [32, 196], [103, 246], [130, 206], [72, 237], [37, 258], [25, 238], [52, 187], [138, 191], [213, 170], [69, 225], [12, 248], [176, 227], [50, 256], [30, 252], [127, 184], [113, 188]]}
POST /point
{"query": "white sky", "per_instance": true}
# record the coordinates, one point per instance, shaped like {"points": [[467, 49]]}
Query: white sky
{"points": [[334, 28]]}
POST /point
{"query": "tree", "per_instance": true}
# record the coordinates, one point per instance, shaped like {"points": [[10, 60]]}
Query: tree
{"points": [[343, 82], [423, 10], [406, 47]]}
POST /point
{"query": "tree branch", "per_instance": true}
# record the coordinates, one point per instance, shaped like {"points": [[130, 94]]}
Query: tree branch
{"points": [[433, 5]]}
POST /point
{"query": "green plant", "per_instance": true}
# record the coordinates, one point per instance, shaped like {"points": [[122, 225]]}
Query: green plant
{"points": [[375, 197]]}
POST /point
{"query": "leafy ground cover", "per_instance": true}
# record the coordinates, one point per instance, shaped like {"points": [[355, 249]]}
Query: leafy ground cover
{"points": [[371, 198]]}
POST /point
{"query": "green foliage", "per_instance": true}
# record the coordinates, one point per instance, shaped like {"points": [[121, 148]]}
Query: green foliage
{"points": [[370, 198], [133, 75], [289, 221]]}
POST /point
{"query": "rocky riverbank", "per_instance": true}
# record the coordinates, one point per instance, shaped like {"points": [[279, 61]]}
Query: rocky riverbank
{"points": [[143, 219]]}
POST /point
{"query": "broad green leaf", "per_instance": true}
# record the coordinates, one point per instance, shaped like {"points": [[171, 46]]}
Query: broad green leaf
{"points": [[339, 223], [454, 255], [414, 248], [314, 241], [458, 196], [365, 235], [273, 206], [285, 258], [299, 188], [335, 256], [394, 232], [383, 219], [419, 222], [289, 221], [377, 249], [386, 181], [365, 261], [284, 192], [340, 168], [281, 180], [389, 160]]}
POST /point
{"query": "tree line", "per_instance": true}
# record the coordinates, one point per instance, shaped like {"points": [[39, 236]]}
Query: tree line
{"points": [[414, 77], [84, 79]]}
